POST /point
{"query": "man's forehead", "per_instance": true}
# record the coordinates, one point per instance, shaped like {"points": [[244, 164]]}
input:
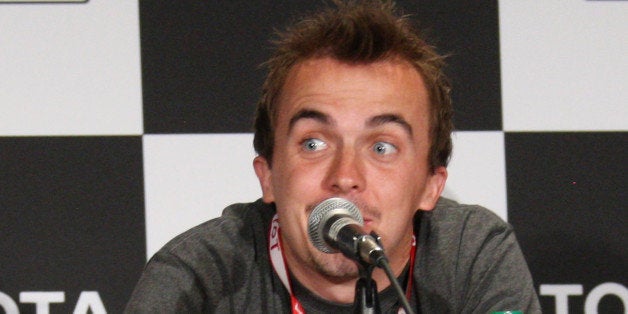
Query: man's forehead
{"points": [[319, 61], [370, 122], [316, 84]]}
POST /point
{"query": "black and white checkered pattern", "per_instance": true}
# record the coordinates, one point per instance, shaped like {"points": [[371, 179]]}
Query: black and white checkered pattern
{"points": [[123, 123]]}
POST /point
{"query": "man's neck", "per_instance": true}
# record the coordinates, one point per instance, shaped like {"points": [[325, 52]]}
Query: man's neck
{"points": [[341, 290], [388, 299]]}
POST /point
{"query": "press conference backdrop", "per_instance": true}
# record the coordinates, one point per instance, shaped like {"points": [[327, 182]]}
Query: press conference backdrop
{"points": [[124, 123]]}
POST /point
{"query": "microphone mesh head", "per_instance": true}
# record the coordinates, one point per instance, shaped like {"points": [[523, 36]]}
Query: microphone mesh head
{"points": [[322, 213]]}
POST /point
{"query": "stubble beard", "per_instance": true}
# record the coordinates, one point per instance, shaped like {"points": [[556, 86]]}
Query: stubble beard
{"points": [[335, 267]]}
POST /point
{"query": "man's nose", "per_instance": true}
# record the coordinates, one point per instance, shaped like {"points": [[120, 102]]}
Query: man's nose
{"points": [[346, 173]]}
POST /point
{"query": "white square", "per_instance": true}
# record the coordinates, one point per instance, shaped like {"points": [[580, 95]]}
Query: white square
{"points": [[191, 178], [477, 171], [564, 65], [70, 69]]}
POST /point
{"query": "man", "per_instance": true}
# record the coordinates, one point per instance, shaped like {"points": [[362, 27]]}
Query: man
{"points": [[355, 106]]}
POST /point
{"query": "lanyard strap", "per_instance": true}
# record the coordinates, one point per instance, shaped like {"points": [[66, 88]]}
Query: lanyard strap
{"points": [[279, 265]]}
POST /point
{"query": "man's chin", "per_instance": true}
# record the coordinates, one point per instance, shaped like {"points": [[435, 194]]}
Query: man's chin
{"points": [[336, 267]]}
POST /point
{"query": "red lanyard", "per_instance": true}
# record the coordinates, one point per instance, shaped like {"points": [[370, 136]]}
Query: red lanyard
{"points": [[279, 265]]}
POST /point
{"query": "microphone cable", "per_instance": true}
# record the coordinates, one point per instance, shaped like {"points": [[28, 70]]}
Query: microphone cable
{"points": [[382, 263]]}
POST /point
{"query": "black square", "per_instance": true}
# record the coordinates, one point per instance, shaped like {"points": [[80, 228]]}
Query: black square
{"points": [[467, 32], [200, 59], [71, 218], [567, 201]]}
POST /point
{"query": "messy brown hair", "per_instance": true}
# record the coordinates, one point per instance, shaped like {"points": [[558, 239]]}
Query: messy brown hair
{"points": [[355, 32]]}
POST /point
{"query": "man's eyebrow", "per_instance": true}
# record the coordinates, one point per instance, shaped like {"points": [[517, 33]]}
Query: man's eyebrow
{"points": [[308, 114], [390, 118]]}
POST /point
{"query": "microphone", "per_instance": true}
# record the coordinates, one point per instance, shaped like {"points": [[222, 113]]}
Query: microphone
{"points": [[335, 225]]}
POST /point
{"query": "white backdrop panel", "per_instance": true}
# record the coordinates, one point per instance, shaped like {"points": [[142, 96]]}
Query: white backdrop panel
{"points": [[70, 69], [191, 178], [477, 171], [564, 65]]}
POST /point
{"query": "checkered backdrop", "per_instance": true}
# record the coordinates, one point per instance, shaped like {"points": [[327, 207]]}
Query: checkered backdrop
{"points": [[123, 123]]}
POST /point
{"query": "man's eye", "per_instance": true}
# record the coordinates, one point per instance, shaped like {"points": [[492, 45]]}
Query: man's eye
{"points": [[383, 148], [313, 144]]}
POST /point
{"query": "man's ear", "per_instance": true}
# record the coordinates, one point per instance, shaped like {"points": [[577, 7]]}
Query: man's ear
{"points": [[434, 186], [264, 175]]}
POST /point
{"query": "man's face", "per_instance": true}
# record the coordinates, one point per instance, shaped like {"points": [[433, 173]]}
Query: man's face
{"points": [[354, 131]]}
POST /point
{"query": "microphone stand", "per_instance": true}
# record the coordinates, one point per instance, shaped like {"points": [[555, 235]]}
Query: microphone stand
{"points": [[366, 298]]}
